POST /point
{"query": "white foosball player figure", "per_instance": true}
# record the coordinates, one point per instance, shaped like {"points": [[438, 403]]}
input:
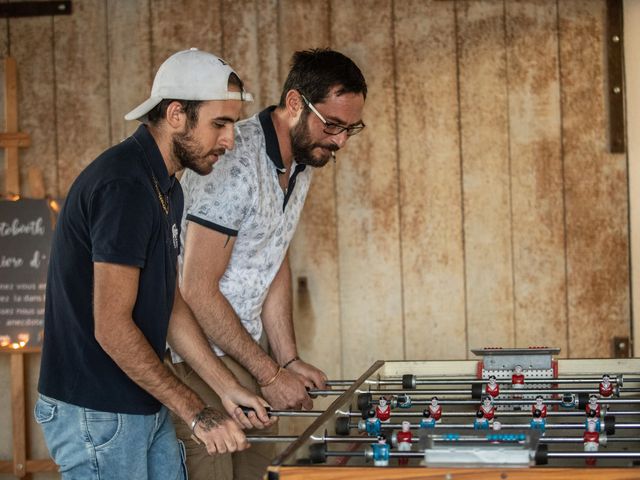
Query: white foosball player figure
{"points": [[383, 410], [404, 441], [435, 409], [492, 388]]}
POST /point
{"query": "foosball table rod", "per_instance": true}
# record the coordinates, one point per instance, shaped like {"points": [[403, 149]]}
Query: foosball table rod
{"points": [[411, 381], [470, 392], [609, 426], [319, 453], [365, 403], [500, 413], [368, 440]]}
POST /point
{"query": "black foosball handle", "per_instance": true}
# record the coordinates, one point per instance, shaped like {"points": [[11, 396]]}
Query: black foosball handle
{"points": [[364, 401], [247, 410], [541, 457]]}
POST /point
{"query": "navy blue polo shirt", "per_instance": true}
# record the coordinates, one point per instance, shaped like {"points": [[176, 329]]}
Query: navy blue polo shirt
{"points": [[112, 214]]}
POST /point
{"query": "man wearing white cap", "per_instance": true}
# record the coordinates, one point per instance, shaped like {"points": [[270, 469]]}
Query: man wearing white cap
{"points": [[238, 223], [112, 300]]}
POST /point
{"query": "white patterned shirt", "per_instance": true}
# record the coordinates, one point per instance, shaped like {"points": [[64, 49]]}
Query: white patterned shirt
{"points": [[242, 197]]}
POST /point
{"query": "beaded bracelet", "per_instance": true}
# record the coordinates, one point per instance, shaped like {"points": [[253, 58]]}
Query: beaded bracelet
{"points": [[291, 361]]}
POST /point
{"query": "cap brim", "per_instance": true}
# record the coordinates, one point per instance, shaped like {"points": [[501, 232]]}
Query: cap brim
{"points": [[142, 109]]}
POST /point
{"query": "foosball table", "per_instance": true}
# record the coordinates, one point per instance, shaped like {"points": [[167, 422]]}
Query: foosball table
{"points": [[511, 414]]}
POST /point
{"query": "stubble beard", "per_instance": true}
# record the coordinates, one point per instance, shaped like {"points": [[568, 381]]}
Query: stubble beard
{"points": [[189, 153], [302, 146]]}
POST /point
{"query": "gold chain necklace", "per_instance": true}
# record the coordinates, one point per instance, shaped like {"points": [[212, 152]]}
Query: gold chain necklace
{"points": [[163, 201]]}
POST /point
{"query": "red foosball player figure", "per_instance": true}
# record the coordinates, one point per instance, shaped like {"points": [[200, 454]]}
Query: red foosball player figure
{"points": [[492, 388], [591, 439], [517, 378], [487, 408], [435, 409], [593, 405], [606, 387], [383, 410], [539, 405], [404, 442]]}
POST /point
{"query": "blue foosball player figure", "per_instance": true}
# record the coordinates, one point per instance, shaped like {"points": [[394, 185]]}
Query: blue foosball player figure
{"points": [[403, 401], [538, 422], [480, 422], [372, 423], [427, 421], [381, 452]]}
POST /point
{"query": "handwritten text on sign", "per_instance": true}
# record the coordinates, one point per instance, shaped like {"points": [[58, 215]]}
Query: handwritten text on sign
{"points": [[25, 240]]}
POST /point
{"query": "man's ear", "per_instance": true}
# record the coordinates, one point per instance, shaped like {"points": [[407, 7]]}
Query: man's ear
{"points": [[293, 104], [175, 116]]}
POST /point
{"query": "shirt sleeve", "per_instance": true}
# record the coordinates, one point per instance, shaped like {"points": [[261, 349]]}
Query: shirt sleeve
{"points": [[121, 222], [223, 199]]}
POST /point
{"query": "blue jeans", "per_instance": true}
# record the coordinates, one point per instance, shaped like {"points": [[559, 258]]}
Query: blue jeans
{"points": [[93, 445]]}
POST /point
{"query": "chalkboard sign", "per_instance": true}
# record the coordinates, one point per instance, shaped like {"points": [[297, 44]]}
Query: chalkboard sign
{"points": [[26, 228]]}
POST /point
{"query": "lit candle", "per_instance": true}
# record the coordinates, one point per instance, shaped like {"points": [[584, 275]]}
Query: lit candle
{"points": [[23, 339]]}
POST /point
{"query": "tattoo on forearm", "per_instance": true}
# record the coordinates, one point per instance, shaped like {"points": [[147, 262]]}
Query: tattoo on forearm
{"points": [[209, 418], [227, 242]]}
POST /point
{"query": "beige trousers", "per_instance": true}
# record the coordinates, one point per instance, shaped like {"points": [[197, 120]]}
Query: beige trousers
{"points": [[247, 465]]}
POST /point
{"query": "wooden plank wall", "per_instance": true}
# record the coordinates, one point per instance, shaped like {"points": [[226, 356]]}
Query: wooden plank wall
{"points": [[479, 207]]}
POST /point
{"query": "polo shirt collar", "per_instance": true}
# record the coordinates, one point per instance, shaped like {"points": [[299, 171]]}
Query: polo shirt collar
{"points": [[154, 158], [273, 149]]}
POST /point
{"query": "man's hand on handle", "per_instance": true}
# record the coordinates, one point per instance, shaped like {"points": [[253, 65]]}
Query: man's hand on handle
{"points": [[219, 432]]}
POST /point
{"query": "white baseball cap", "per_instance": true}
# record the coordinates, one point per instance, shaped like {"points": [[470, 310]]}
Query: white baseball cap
{"points": [[190, 75]]}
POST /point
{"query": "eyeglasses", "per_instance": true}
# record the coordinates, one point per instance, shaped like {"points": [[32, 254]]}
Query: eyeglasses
{"points": [[334, 128]]}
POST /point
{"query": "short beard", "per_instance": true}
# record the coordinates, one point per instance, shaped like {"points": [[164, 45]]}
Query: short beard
{"points": [[189, 153], [302, 146]]}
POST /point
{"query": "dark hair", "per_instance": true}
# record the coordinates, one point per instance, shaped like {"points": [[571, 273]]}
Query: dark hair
{"points": [[190, 107], [315, 72]]}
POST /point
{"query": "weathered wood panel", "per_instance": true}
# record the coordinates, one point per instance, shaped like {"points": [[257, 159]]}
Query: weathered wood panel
{"points": [[596, 188], [130, 75], [485, 173], [82, 90], [182, 25], [632, 93], [4, 51], [241, 45], [270, 82], [313, 252], [5, 393], [367, 195], [536, 174], [36, 106], [430, 189]]}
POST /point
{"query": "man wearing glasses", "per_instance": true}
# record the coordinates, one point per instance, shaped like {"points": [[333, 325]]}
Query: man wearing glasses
{"points": [[238, 223]]}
